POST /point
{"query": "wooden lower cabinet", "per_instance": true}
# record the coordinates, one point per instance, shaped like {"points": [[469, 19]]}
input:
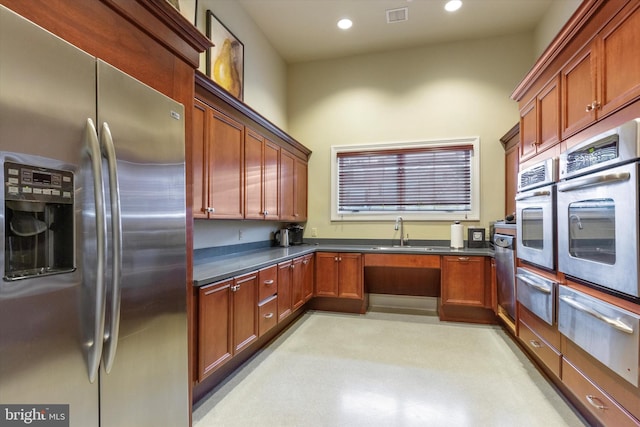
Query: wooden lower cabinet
{"points": [[339, 275], [245, 321], [285, 280], [465, 289], [227, 321], [308, 275], [599, 404], [215, 345]]}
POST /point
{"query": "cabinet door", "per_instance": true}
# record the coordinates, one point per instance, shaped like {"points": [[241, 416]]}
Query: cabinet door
{"points": [[287, 170], [528, 130], [326, 274], [271, 181], [284, 289], [300, 190], [245, 320], [512, 161], [253, 175], [268, 282], [350, 281], [619, 61], [199, 160], [463, 281], [549, 115], [215, 345], [297, 283], [307, 276], [578, 92], [226, 167]]}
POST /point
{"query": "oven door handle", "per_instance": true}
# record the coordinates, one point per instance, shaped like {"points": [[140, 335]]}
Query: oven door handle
{"points": [[605, 178], [615, 323], [533, 284], [532, 194]]}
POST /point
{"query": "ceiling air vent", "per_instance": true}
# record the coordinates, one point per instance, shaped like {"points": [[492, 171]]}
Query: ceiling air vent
{"points": [[397, 15]]}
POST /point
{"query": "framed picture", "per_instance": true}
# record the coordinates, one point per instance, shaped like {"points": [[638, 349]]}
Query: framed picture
{"points": [[225, 61]]}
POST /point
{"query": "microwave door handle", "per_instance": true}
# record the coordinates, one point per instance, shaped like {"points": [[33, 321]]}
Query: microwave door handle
{"points": [[111, 334], [531, 195], [533, 284], [92, 148], [600, 179], [615, 323]]}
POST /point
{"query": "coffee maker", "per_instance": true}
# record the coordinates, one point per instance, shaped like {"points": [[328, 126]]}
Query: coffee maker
{"points": [[38, 221]]}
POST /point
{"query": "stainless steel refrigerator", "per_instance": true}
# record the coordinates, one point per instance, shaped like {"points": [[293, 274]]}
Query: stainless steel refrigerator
{"points": [[92, 217]]}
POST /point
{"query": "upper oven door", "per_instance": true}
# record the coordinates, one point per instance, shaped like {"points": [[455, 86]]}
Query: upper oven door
{"points": [[535, 218], [598, 228]]}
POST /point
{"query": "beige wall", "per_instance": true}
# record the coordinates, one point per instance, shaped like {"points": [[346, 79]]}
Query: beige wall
{"points": [[440, 91], [558, 14], [265, 72]]}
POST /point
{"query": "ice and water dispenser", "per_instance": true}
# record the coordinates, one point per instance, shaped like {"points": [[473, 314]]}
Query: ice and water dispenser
{"points": [[38, 221]]}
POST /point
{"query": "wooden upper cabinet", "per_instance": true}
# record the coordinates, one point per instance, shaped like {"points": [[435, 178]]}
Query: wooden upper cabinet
{"points": [[300, 178], [199, 160], [578, 92], [605, 75], [619, 65], [217, 164], [540, 121], [511, 144], [287, 170], [262, 162]]}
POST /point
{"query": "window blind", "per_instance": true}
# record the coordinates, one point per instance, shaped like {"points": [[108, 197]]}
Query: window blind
{"points": [[409, 180]]}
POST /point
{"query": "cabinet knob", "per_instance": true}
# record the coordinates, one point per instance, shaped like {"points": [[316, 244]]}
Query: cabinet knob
{"points": [[292, 266], [593, 106], [210, 210], [266, 212], [235, 288]]}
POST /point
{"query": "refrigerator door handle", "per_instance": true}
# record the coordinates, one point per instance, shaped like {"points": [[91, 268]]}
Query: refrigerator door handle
{"points": [[111, 334], [92, 148]]}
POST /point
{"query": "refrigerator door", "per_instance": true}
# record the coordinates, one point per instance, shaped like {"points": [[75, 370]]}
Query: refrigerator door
{"points": [[147, 382], [47, 93]]}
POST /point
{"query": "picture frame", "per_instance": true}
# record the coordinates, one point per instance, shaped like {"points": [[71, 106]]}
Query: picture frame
{"points": [[225, 60]]}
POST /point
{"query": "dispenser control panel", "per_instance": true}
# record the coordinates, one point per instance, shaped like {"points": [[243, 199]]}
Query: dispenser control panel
{"points": [[37, 184]]}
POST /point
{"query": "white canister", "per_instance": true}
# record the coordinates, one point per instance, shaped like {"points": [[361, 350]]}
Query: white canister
{"points": [[457, 235]]}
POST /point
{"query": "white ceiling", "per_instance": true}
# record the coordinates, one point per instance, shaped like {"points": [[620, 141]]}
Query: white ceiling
{"points": [[305, 30]]}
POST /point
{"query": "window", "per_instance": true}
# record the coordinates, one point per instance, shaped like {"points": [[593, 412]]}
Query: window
{"points": [[428, 180]]}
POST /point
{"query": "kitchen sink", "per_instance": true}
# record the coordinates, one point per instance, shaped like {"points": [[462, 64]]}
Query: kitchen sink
{"points": [[407, 248]]}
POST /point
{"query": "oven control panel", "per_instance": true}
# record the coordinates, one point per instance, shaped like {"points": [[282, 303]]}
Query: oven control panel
{"points": [[36, 184]]}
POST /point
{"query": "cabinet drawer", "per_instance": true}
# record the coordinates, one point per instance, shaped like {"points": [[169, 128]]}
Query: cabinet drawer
{"points": [[538, 346], [267, 315], [604, 408], [267, 282], [541, 328]]}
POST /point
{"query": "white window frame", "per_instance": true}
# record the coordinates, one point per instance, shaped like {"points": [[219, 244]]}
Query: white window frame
{"points": [[471, 215]]}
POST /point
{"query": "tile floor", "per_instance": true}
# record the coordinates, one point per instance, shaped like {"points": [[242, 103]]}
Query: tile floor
{"points": [[386, 369]]}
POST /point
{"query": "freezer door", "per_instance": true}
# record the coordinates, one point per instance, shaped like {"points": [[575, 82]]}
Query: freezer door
{"points": [[47, 93], [147, 385]]}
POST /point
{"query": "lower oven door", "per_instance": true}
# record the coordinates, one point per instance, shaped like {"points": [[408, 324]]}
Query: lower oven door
{"points": [[606, 332], [535, 218], [537, 293], [598, 228]]}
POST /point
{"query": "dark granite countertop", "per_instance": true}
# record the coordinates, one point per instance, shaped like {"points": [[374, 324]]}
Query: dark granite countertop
{"points": [[215, 269]]}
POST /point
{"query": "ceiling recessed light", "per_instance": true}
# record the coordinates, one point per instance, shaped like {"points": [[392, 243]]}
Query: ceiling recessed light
{"points": [[453, 5], [345, 24]]}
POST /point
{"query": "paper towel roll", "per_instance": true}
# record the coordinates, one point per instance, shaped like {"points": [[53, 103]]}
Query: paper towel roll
{"points": [[457, 235]]}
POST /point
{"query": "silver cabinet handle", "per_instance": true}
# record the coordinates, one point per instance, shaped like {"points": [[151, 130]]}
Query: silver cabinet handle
{"points": [[614, 323], [92, 148], [268, 315], [535, 344], [533, 284], [463, 258], [268, 282], [603, 178], [111, 334], [533, 194], [595, 402]]}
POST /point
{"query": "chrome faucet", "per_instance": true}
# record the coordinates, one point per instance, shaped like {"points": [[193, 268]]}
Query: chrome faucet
{"points": [[400, 224]]}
